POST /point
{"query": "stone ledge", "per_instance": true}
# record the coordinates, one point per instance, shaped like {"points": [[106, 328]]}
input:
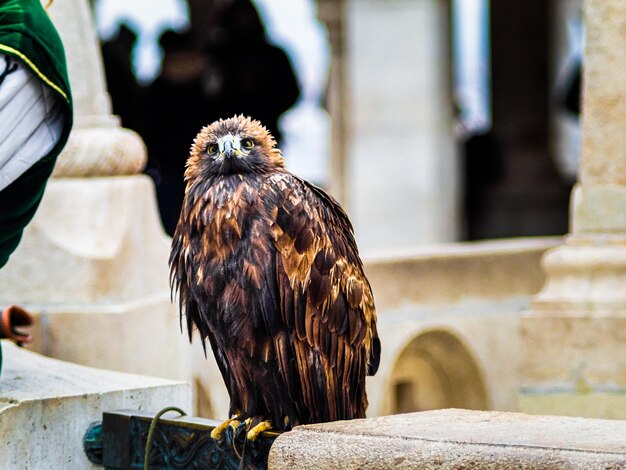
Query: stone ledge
{"points": [[451, 439], [46, 406], [451, 273]]}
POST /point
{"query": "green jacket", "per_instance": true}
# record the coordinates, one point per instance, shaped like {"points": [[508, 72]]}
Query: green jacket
{"points": [[27, 34]]}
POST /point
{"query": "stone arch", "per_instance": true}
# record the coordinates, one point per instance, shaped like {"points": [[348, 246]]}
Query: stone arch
{"points": [[435, 370]]}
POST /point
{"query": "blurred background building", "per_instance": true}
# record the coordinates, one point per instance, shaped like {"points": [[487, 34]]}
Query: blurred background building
{"points": [[451, 120]]}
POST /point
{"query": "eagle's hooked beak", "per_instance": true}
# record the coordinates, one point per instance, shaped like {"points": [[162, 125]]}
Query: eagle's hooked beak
{"points": [[230, 146]]}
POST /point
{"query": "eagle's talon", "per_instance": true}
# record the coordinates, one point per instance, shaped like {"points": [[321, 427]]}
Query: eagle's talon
{"points": [[256, 431], [239, 429], [218, 431]]}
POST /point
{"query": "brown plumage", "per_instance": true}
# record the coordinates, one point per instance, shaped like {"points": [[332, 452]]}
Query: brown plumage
{"points": [[268, 270]]}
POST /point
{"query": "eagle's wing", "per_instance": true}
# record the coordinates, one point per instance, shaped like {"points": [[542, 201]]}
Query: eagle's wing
{"points": [[325, 301], [186, 244], [180, 276]]}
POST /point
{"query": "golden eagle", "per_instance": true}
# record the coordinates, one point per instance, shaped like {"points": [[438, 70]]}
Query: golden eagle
{"points": [[268, 270]]}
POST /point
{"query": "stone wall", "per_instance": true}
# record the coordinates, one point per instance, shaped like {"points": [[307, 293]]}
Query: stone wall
{"points": [[448, 317]]}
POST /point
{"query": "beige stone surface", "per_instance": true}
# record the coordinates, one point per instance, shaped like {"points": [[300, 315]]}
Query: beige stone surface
{"points": [[74, 22], [92, 241], [401, 157], [452, 439], [439, 368], [603, 159], [46, 406], [574, 363], [101, 151], [599, 208], [575, 352], [140, 337], [581, 403], [574, 336], [484, 335], [446, 274], [585, 276], [331, 13], [207, 373]]}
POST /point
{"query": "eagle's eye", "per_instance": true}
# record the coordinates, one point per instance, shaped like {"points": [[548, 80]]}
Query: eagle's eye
{"points": [[211, 149], [247, 144]]}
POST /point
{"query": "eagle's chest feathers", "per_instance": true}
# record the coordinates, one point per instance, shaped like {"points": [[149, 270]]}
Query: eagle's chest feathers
{"points": [[234, 227], [230, 207]]}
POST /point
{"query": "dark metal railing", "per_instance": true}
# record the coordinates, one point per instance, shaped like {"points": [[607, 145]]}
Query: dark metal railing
{"points": [[119, 442]]}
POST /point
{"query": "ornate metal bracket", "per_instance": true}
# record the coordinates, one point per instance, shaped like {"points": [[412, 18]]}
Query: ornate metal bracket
{"points": [[119, 442]]}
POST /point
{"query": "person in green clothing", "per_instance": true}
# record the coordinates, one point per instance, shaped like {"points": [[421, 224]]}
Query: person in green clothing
{"points": [[35, 117]]}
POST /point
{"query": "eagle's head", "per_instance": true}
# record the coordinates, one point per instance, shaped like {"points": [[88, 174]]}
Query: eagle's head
{"points": [[238, 145]]}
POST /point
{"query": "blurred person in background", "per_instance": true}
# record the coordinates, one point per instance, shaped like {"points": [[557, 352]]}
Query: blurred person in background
{"points": [[175, 109], [246, 74], [124, 90]]}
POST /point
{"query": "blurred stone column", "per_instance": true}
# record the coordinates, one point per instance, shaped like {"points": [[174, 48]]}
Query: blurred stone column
{"points": [[331, 13], [93, 262], [574, 357], [393, 156]]}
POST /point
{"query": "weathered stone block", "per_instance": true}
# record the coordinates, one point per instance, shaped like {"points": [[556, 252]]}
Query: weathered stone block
{"points": [[574, 352], [453, 439]]}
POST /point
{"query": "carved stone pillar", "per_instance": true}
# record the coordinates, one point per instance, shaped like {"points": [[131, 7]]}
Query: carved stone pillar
{"points": [[93, 262], [574, 357], [98, 146]]}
